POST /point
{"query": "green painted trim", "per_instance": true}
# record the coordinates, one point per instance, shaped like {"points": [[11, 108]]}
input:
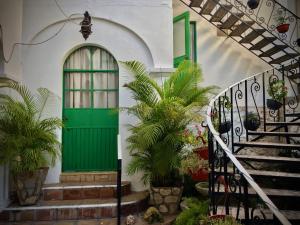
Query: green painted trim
{"points": [[93, 90], [194, 44], [186, 17], [89, 71]]}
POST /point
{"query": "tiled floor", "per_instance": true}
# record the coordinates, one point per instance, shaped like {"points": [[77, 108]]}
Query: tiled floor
{"points": [[167, 221]]}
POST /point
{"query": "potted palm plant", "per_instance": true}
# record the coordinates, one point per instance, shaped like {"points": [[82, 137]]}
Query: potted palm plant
{"points": [[277, 91], [163, 113], [27, 139]]}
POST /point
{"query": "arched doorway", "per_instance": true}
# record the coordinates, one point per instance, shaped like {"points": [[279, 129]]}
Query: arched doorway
{"points": [[90, 102]]}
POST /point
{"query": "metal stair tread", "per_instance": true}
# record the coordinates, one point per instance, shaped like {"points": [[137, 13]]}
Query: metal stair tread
{"points": [[208, 7], [272, 51], [74, 185], [220, 13], [274, 133], [284, 58], [294, 76], [267, 145], [292, 114], [283, 123], [195, 3], [273, 174], [262, 43], [289, 214], [128, 199], [252, 36], [240, 29], [232, 19], [267, 158]]}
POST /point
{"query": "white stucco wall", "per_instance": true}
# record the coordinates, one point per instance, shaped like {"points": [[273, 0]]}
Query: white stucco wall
{"points": [[11, 22], [128, 29]]}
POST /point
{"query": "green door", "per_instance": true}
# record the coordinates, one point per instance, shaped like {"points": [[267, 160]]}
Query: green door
{"points": [[90, 102]]}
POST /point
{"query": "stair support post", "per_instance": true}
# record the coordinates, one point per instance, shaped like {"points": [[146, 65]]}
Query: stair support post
{"points": [[246, 107], [211, 180], [246, 201], [264, 101]]}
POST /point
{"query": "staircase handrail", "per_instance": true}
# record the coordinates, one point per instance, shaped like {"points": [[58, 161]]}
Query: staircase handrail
{"points": [[234, 160], [292, 43]]}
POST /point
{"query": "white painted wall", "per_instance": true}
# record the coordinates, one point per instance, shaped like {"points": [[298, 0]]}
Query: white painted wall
{"points": [[11, 22], [129, 29]]}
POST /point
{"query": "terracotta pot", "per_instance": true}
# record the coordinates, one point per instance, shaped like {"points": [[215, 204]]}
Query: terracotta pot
{"points": [[200, 175], [29, 185], [283, 28], [166, 199], [202, 152]]}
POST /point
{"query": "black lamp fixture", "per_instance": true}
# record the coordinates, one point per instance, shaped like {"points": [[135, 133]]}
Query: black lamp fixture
{"points": [[86, 25], [253, 4]]}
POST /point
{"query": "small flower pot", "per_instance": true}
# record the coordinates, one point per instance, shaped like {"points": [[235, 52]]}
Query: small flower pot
{"points": [[202, 188], [273, 104], [202, 153], [200, 175], [252, 123], [253, 4], [224, 127], [283, 28]]}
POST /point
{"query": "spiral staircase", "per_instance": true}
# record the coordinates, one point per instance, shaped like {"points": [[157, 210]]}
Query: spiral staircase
{"points": [[254, 174]]}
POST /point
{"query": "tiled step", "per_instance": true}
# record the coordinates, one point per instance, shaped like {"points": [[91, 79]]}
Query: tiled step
{"points": [[88, 177], [208, 7], [76, 209], [220, 13], [77, 191], [274, 174], [271, 159], [273, 50], [283, 58], [261, 44], [268, 145], [232, 19], [195, 3], [240, 29], [274, 133], [252, 35]]}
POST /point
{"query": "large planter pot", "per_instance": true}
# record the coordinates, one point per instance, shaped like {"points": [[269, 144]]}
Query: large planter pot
{"points": [[224, 127], [200, 175], [253, 4], [29, 185], [202, 153], [273, 104], [283, 28], [252, 124], [166, 199]]}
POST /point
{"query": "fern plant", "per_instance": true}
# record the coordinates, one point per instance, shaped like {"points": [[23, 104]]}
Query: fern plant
{"points": [[27, 140], [163, 113]]}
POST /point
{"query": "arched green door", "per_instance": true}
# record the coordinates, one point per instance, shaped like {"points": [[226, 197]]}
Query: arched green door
{"points": [[90, 102]]}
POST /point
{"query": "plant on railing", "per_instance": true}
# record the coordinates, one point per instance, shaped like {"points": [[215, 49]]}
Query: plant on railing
{"points": [[222, 126], [252, 121], [278, 91], [28, 141], [282, 25], [253, 4]]}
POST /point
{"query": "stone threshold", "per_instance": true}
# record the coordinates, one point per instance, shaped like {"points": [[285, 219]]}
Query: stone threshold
{"points": [[81, 185]]}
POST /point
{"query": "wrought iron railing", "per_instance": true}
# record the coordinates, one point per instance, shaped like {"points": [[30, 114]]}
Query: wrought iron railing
{"points": [[226, 118], [266, 15]]}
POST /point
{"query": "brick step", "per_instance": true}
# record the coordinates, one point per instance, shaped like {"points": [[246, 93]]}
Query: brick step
{"points": [[76, 209], [77, 191], [88, 177]]}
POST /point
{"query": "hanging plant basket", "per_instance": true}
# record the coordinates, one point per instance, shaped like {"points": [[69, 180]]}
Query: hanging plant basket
{"points": [[298, 42], [252, 123], [253, 4], [224, 127], [273, 104], [283, 28]]}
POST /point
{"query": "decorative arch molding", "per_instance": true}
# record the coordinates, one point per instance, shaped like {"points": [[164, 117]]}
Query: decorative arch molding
{"points": [[35, 36]]}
